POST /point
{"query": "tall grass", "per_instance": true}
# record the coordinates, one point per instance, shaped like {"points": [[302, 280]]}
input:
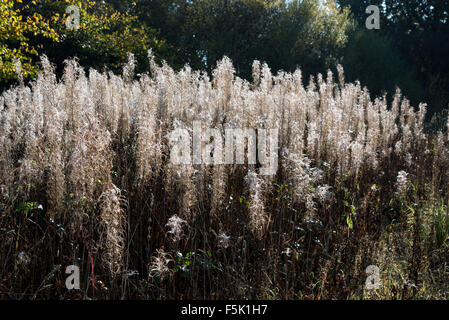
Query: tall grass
{"points": [[86, 179]]}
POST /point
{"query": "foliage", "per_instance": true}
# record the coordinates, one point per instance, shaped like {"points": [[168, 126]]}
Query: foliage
{"points": [[372, 59], [285, 34], [308, 34], [16, 31], [104, 39], [105, 36], [419, 32]]}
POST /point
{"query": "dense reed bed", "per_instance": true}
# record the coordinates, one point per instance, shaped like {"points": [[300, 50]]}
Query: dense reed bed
{"points": [[86, 179]]}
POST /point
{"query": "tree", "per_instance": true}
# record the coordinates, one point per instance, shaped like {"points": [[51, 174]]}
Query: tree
{"points": [[285, 34], [103, 40], [309, 34], [372, 59], [168, 18], [17, 28], [236, 29], [358, 8], [419, 33]]}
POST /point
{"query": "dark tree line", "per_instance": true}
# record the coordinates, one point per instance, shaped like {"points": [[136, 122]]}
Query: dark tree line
{"points": [[413, 48]]}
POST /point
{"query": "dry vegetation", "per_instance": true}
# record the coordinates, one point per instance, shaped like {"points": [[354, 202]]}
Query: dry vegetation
{"points": [[86, 179]]}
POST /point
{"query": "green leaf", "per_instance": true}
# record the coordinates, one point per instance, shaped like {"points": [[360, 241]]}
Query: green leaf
{"points": [[349, 222]]}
